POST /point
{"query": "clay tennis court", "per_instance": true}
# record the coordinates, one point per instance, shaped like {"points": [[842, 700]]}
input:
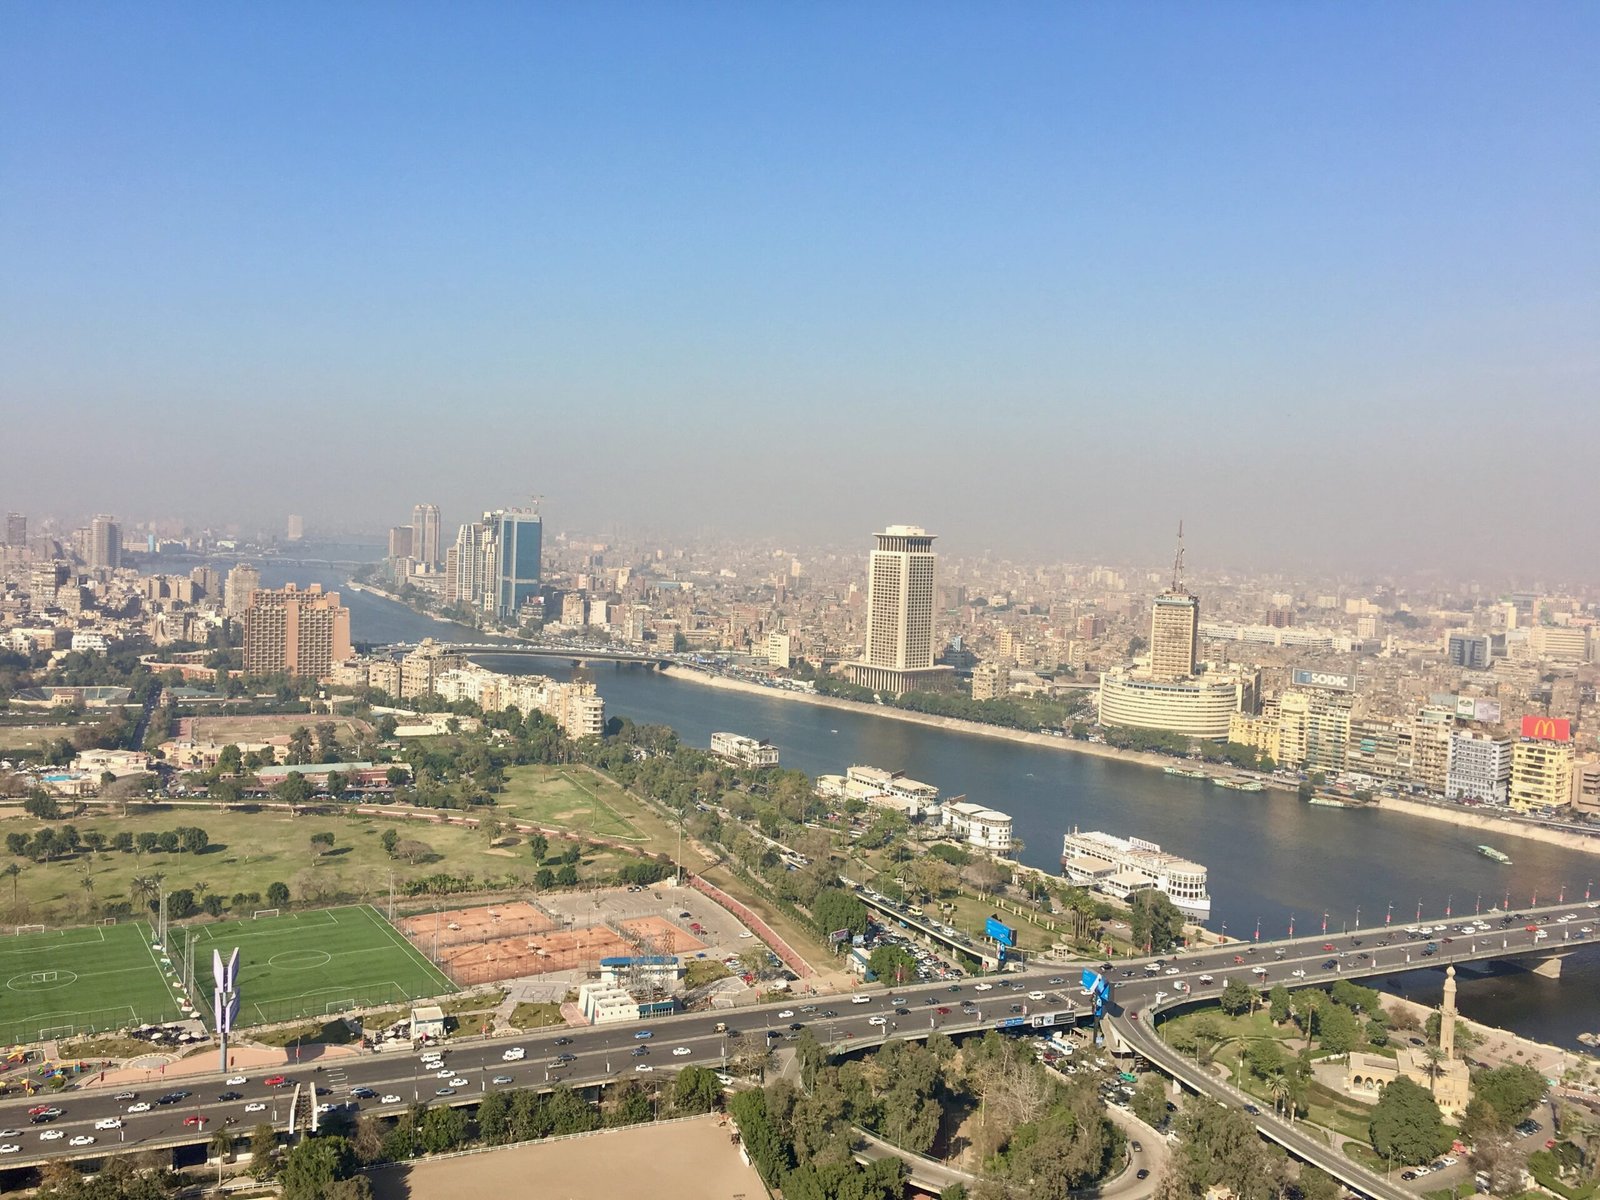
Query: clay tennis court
{"points": [[686, 1160], [511, 941]]}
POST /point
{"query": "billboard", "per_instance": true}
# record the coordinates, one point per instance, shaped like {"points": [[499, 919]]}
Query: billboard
{"points": [[1466, 708], [1487, 711], [999, 931], [1338, 680], [1547, 729]]}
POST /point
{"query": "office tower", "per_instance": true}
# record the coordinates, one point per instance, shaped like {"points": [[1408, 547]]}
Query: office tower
{"points": [[900, 590], [16, 529], [475, 560], [401, 540], [105, 544], [1480, 766], [519, 541], [425, 547], [242, 583], [1175, 626], [295, 633], [1469, 651], [297, 527]]}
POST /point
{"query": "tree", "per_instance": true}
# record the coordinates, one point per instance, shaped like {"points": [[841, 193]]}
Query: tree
{"points": [[696, 1090], [630, 1105], [13, 870], [277, 895], [1278, 1003], [41, 805], [1236, 997], [181, 904], [229, 761], [1155, 921], [1336, 1029], [312, 1168], [442, 1129], [835, 909], [1406, 1125], [321, 843], [1149, 1101], [892, 964], [1511, 1092], [413, 850], [544, 879], [567, 876], [192, 839], [389, 840], [338, 784], [539, 847], [292, 789]]}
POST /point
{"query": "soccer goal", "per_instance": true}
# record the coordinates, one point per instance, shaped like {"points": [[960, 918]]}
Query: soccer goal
{"points": [[106, 921], [263, 912], [42, 977], [21, 929], [335, 1006], [53, 1033]]}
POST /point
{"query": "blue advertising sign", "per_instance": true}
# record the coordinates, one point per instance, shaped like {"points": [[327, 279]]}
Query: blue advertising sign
{"points": [[1009, 1023], [1000, 932]]}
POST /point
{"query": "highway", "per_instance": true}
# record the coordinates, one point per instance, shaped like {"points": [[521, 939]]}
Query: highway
{"points": [[610, 1051]]}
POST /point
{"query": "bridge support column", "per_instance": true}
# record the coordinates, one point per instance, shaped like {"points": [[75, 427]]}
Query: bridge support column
{"points": [[1550, 967]]}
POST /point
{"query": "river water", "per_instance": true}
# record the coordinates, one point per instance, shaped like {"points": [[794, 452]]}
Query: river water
{"points": [[1271, 859]]}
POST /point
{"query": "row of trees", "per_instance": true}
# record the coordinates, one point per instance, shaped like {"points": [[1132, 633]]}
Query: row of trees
{"points": [[62, 841]]}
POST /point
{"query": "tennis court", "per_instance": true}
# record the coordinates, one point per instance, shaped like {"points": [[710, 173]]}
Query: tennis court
{"points": [[318, 963], [90, 979]]}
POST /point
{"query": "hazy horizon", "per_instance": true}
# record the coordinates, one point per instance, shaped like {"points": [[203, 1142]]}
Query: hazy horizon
{"points": [[1319, 280]]}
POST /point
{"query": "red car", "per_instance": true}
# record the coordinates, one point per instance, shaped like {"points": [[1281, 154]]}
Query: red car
{"points": [[1327, 947], [37, 1109], [195, 1121], [275, 1081]]}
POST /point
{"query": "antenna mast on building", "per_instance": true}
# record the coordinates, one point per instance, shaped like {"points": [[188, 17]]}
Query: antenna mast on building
{"points": [[1177, 562]]}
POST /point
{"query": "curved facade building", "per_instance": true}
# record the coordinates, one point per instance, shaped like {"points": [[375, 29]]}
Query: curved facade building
{"points": [[1199, 707]]}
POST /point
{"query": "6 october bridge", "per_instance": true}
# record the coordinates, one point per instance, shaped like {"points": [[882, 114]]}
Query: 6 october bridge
{"points": [[1029, 1000]]}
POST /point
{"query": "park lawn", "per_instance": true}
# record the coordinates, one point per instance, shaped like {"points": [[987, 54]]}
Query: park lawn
{"points": [[95, 979], [250, 850], [582, 802], [536, 1015], [31, 737], [259, 727]]}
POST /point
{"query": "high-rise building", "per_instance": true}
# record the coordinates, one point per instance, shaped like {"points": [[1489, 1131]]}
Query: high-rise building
{"points": [[300, 633], [1328, 730], [1430, 746], [1480, 766], [105, 544], [900, 592], [16, 529], [1175, 626], [991, 680], [1541, 773], [296, 528], [425, 545], [401, 540], [476, 560], [242, 583], [519, 537], [1469, 651]]}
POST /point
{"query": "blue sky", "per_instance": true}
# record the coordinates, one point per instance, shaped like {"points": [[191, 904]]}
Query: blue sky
{"points": [[1042, 277]]}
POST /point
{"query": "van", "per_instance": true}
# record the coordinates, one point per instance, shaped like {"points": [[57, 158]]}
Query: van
{"points": [[721, 1027], [860, 999]]}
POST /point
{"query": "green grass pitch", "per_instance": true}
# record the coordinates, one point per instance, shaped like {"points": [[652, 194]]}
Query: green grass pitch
{"points": [[84, 980], [316, 963]]}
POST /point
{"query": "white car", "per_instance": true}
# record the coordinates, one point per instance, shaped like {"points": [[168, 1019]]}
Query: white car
{"points": [[983, 987], [877, 1021], [444, 1072], [644, 1067], [255, 1106], [390, 1098], [515, 1054], [680, 1051], [858, 999], [51, 1135], [83, 1139], [10, 1148], [1172, 970], [746, 933], [1298, 973], [786, 1015], [109, 1123], [458, 1082], [1206, 979], [142, 1106], [236, 1080], [1035, 995], [1449, 1160]]}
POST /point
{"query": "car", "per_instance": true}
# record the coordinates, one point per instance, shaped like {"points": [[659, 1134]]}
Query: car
{"points": [[141, 1106], [10, 1133], [829, 1014], [1142, 1173], [1419, 1172], [276, 1080], [640, 1051], [744, 933], [230, 1095], [1016, 1008], [562, 1041], [877, 1020], [1408, 1176], [501, 1079], [389, 1098], [684, 916], [132, 1095], [236, 1081], [1449, 1160], [1330, 964], [786, 1015], [10, 1148], [642, 1035], [363, 1093], [83, 1139], [458, 1082], [1252, 1110], [1056, 981], [942, 1010], [1298, 972], [515, 1054], [109, 1123], [1136, 1147], [444, 1072], [173, 1098], [1206, 979], [1035, 995], [255, 1106], [196, 1121], [859, 998], [983, 987], [1327, 947], [445, 1091], [51, 1135], [644, 1067], [1172, 971]]}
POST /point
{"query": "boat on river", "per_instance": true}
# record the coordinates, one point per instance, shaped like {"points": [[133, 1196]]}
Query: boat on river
{"points": [[1491, 852]]}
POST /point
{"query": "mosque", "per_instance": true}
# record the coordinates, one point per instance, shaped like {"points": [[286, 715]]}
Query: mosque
{"points": [[1368, 1074]]}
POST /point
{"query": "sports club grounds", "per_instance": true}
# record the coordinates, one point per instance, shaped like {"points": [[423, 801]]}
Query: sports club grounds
{"points": [[98, 978]]}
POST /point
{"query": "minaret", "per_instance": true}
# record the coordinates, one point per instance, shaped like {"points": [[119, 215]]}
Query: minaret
{"points": [[1447, 1016]]}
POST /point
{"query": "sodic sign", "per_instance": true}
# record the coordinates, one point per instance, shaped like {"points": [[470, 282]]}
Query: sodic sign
{"points": [[1547, 729], [1323, 679]]}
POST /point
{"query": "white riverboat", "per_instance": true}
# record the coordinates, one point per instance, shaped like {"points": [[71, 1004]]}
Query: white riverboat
{"points": [[1122, 866]]}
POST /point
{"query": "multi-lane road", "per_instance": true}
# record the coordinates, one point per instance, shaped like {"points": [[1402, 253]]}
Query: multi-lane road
{"points": [[474, 1066]]}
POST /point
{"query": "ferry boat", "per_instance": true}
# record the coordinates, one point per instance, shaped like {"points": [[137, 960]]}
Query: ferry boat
{"points": [[1491, 852], [1238, 785], [1330, 802], [1122, 866]]}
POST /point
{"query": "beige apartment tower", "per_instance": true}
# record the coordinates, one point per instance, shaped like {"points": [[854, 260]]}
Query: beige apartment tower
{"points": [[242, 583], [900, 596], [1175, 626], [294, 632]]}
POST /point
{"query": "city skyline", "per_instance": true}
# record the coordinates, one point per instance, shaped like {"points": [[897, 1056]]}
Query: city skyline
{"points": [[1086, 268]]}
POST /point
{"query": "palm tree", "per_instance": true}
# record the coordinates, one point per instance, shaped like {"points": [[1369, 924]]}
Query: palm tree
{"points": [[86, 882], [1433, 1064], [1281, 1090], [13, 870]]}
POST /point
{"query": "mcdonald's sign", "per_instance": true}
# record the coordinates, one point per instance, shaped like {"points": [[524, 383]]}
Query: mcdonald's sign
{"points": [[1547, 729]]}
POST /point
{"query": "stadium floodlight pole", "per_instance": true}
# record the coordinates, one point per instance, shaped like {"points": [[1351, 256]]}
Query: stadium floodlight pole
{"points": [[224, 999]]}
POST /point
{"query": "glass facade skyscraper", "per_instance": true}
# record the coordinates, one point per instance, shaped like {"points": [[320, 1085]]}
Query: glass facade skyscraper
{"points": [[521, 541]]}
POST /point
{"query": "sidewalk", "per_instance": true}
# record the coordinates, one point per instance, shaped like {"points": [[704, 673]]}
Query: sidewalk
{"points": [[240, 1058]]}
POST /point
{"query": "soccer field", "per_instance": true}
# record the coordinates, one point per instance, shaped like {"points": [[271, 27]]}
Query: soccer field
{"points": [[317, 963], [85, 980]]}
